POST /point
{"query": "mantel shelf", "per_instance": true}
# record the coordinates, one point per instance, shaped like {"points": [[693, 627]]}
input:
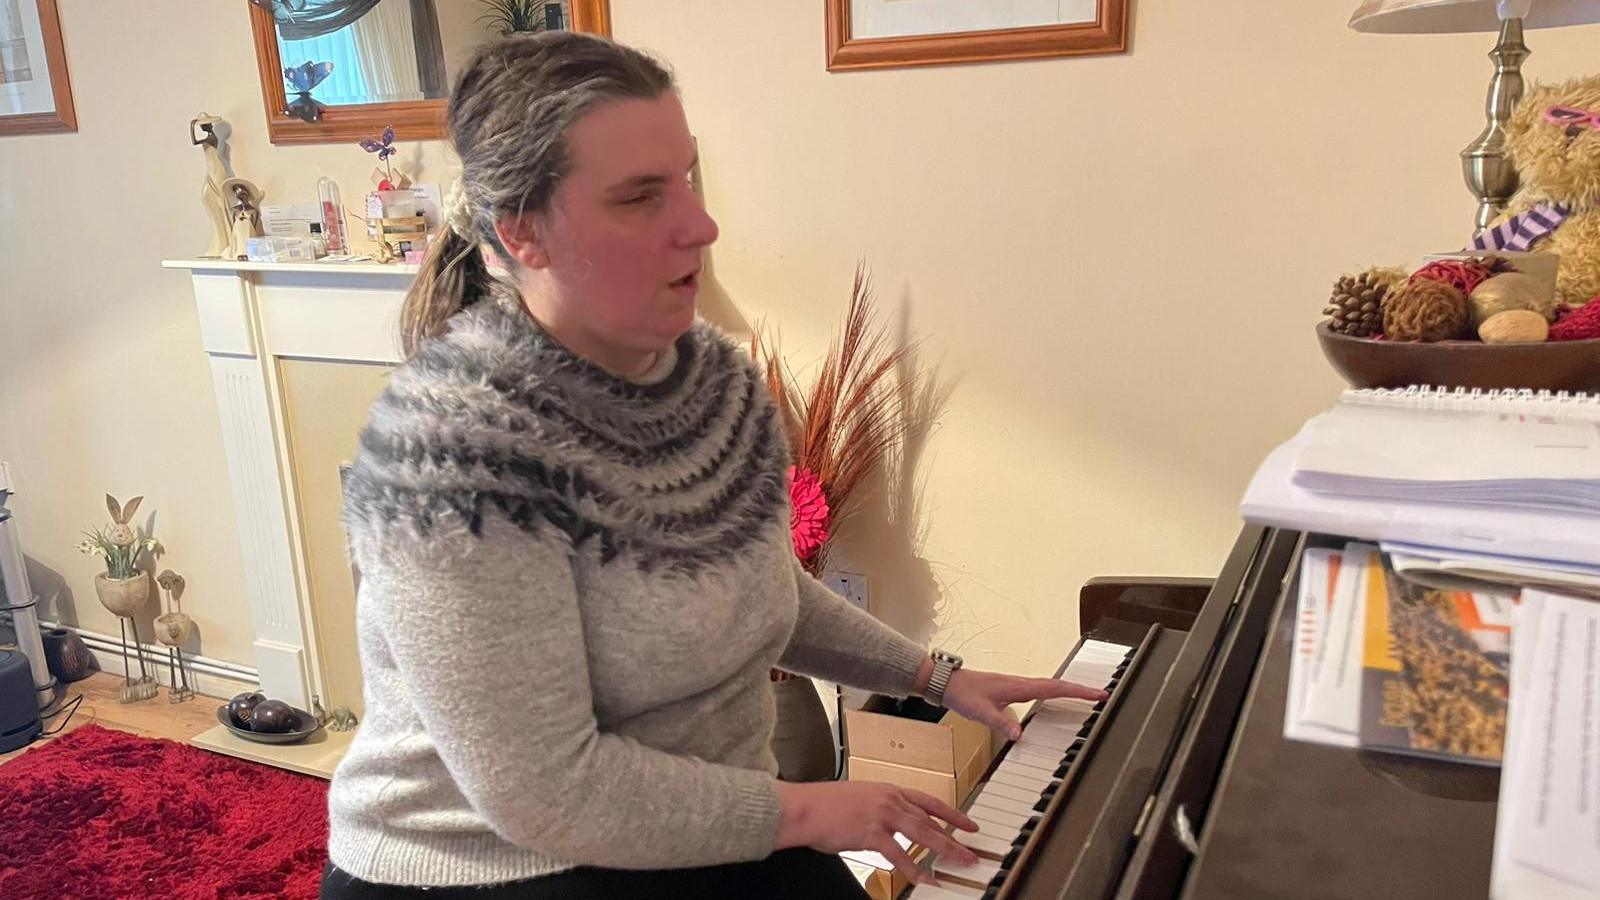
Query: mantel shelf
{"points": [[399, 270]]}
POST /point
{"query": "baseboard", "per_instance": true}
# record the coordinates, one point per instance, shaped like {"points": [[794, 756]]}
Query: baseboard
{"points": [[211, 677]]}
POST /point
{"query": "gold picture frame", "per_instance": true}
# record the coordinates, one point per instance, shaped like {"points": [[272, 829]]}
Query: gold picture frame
{"points": [[1108, 33]]}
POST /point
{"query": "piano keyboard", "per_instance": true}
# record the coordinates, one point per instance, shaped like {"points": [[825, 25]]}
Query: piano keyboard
{"points": [[1008, 806]]}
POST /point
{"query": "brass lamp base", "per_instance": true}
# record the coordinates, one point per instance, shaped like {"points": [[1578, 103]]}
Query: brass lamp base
{"points": [[1484, 164]]}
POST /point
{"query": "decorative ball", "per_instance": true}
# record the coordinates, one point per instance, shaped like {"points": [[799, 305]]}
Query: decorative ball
{"points": [[1425, 310], [1512, 290], [1577, 323], [272, 717], [1463, 275], [1514, 326], [242, 706]]}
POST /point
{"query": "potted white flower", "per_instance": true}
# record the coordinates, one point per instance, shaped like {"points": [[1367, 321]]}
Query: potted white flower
{"points": [[123, 587]]}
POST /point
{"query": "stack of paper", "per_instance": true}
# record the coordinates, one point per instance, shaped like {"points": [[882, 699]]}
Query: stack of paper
{"points": [[1455, 457], [1547, 831], [1274, 498]]}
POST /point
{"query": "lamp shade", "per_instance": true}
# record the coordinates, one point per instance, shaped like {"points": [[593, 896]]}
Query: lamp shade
{"points": [[1455, 16]]}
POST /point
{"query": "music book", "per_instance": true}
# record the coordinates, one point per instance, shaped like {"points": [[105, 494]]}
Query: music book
{"points": [[1501, 448], [1434, 673], [1508, 473]]}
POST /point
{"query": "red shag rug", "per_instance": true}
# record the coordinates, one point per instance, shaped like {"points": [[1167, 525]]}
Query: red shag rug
{"points": [[100, 813]]}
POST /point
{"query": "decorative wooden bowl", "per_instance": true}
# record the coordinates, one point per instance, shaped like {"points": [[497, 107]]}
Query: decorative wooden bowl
{"points": [[1552, 366]]}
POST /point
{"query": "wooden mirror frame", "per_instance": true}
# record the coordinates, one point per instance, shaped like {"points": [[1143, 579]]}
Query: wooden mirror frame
{"points": [[413, 120], [1107, 34]]}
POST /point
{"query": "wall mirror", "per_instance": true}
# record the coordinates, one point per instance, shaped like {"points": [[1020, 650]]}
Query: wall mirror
{"points": [[340, 70]]}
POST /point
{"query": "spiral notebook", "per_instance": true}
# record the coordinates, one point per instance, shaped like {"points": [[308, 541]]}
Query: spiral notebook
{"points": [[1514, 473], [1519, 449]]}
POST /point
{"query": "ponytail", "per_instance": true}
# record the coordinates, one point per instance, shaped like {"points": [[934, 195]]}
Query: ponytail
{"points": [[453, 276]]}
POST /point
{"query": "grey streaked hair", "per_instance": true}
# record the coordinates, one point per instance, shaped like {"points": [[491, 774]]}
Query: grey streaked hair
{"points": [[508, 119]]}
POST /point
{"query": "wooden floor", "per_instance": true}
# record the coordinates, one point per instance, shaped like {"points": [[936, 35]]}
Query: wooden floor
{"points": [[156, 717]]}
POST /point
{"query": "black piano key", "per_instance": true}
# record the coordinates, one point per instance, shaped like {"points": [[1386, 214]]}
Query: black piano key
{"points": [[1099, 707], [1061, 772], [1010, 860], [991, 892]]}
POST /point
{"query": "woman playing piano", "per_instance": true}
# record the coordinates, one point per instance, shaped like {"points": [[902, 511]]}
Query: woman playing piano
{"points": [[571, 523]]}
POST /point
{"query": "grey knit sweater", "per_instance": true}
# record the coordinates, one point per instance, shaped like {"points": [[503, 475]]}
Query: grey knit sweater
{"points": [[572, 589]]}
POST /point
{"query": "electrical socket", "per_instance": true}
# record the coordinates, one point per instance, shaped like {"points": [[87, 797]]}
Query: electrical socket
{"points": [[850, 585]]}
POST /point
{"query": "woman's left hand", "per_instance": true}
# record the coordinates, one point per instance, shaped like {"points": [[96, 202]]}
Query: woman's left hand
{"points": [[984, 696]]}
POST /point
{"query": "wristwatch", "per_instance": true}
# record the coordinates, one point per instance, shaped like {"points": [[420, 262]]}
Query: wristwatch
{"points": [[944, 665]]}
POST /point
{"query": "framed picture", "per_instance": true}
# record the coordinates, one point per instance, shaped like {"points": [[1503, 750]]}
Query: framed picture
{"points": [[882, 34], [35, 96]]}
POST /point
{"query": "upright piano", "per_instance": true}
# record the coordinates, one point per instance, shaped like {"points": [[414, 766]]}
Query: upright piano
{"points": [[1181, 785]]}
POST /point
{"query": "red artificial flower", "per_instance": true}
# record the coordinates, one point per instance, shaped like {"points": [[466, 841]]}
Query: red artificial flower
{"points": [[808, 528]]}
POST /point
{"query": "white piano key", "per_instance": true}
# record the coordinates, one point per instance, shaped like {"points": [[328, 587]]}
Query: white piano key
{"points": [[1022, 780], [994, 829], [1059, 735], [1006, 804], [978, 842], [1067, 706], [1001, 789], [1045, 745], [1034, 756], [981, 872], [1015, 760], [1024, 776], [951, 891], [1009, 822]]}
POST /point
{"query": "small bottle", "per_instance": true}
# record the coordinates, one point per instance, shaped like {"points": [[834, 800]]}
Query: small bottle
{"points": [[332, 216], [319, 244]]}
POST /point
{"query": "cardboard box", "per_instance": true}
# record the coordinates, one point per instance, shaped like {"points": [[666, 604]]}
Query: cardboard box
{"points": [[897, 743], [889, 885]]}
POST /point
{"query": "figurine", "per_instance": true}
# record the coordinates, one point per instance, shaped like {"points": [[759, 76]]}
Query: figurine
{"points": [[212, 199], [244, 202]]}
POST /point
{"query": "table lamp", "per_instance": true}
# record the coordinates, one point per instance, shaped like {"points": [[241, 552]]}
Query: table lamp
{"points": [[1488, 172]]}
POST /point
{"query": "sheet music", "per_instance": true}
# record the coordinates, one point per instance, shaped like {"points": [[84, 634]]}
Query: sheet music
{"points": [[1555, 801]]}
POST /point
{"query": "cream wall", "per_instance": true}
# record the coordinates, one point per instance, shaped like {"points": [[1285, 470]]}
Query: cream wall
{"points": [[1117, 261]]}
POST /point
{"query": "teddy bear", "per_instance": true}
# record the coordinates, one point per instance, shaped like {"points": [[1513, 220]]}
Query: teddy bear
{"points": [[1553, 139]]}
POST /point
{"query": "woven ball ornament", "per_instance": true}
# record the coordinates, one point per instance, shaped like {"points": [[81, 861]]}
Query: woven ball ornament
{"points": [[1579, 324], [1425, 310], [1463, 275]]}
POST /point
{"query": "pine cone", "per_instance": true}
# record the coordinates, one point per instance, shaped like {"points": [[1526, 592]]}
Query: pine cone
{"points": [[1425, 310], [1356, 307]]}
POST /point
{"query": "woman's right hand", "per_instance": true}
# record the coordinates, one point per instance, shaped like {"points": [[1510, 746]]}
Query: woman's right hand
{"points": [[832, 816]]}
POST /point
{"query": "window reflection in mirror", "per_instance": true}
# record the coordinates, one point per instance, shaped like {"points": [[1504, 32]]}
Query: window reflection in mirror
{"points": [[344, 52]]}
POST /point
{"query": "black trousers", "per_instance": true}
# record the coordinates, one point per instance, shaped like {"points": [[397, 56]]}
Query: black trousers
{"points": [[795, 874]]}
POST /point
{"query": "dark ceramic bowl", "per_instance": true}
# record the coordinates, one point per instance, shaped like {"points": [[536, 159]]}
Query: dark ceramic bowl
{"points": [[305, 725], [1552, 366]]}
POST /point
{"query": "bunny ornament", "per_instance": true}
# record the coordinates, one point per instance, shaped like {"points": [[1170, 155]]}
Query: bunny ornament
{"points": [[123, 588]]}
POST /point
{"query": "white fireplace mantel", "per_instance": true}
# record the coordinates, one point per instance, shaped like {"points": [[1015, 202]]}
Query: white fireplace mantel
{"points": [[251, 316]]}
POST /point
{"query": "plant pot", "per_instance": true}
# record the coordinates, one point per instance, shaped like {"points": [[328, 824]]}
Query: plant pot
{"points": [[802, 739], [173, 629], [123, 596], [66, 656]]}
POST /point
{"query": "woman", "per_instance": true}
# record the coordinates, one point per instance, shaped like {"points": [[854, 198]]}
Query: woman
{"points": [[570, 516]]}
